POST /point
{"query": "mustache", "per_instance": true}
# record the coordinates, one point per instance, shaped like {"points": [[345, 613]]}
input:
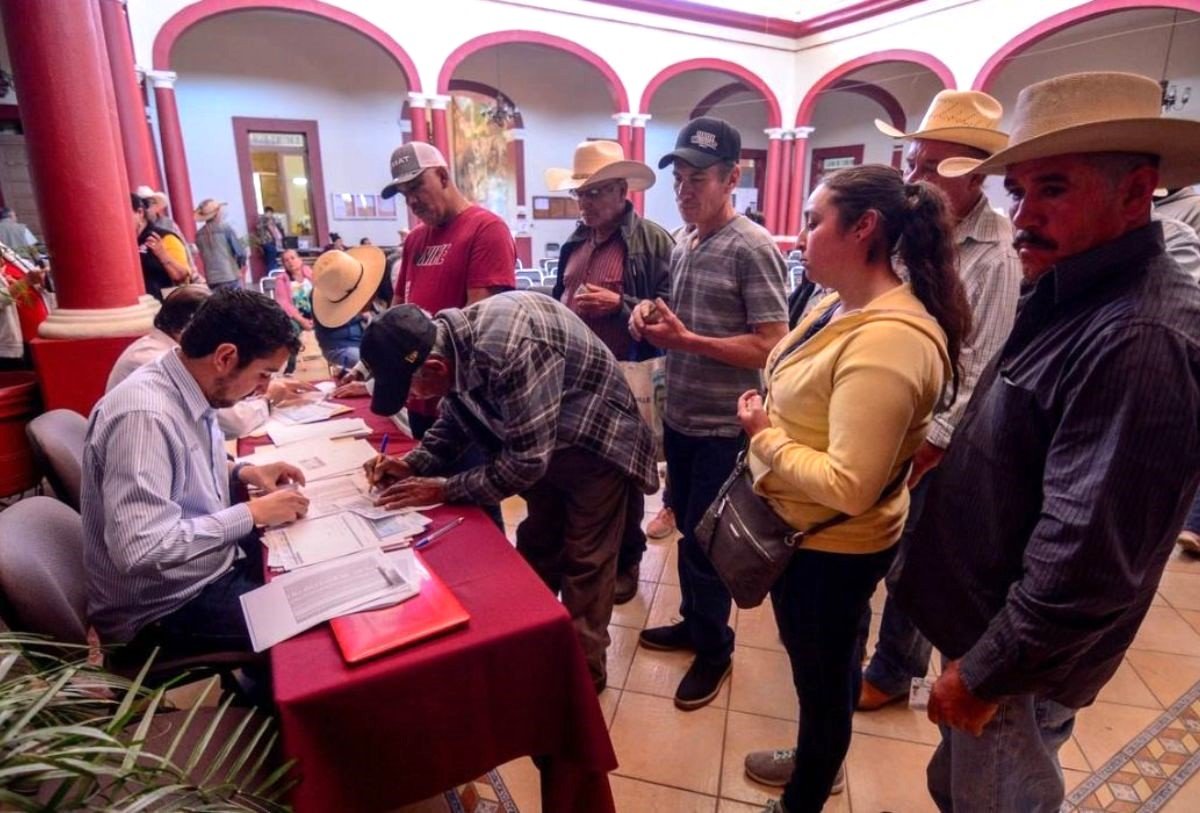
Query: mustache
{"points": [[1027, 238]]}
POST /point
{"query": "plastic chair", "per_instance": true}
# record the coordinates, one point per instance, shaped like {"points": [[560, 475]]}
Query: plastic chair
{"points": [[57, 440]]}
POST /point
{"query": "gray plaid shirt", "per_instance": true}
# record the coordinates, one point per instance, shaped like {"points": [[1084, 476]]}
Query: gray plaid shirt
{"points": [[530, 378]]}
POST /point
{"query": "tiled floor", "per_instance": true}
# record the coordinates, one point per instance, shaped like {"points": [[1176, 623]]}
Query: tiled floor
{"points": [[692, 761]]}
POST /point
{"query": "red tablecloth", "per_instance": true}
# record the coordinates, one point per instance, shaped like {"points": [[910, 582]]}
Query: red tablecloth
{"points": [[411, 723]]}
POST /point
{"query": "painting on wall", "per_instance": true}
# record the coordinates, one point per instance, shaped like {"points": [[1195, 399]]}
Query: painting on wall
{"points": [[483, 166]]}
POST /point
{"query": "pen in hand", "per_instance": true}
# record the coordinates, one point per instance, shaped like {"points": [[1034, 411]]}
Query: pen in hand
{"points": [[375, 470]]}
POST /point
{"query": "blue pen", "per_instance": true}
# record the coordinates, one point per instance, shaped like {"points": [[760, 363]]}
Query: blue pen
{"points": [[379, 461], [439, 533], [383, 444]]}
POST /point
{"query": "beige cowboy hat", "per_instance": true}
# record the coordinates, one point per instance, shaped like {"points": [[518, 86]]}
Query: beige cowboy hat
{"points": [[344, 282], [208, 209], [1094, 112], [960, 117], [596, 162]]}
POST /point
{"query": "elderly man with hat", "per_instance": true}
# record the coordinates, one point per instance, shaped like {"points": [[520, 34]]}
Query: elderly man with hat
{"points": [[728, 310], [523, 377], [220, 249], [1057, 505], [158, 213], [343, 289], [612, 261]]}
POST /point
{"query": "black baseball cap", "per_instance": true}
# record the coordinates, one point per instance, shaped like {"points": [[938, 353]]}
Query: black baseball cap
{"points": [[394, 347], [703, 142]]}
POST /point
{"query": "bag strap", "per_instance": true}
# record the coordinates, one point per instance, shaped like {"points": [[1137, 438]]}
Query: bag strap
{"points": [[888, 490], [812, 330]]}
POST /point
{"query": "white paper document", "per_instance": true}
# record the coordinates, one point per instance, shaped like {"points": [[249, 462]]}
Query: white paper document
{"points": [[283, 435], [301, 413], [319, 459], [294, 602], [313, 540]]}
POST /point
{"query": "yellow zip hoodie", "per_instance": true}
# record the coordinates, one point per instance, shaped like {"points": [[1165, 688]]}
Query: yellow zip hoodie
{"points": [[847, 410]]}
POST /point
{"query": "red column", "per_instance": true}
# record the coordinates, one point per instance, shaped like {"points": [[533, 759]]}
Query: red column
{"points": [[441, 127], [775, 170], [416, 114], [787, 177], [799, 180], [131, 112], [179, 185], [624, 132], [638, 143], [74, 158]]}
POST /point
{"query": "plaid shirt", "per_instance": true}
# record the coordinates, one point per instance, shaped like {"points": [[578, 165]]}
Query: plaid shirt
{"points": [[530, 378]]}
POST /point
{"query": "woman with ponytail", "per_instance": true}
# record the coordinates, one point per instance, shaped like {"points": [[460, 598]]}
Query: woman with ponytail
{"points": [[850, 395]]}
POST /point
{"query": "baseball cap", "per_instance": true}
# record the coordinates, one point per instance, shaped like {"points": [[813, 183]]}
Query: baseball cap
{"points": [[394, 347], [703, 142], [409, 161]]}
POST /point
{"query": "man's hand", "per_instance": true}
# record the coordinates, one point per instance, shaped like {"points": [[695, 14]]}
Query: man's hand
{"points": [[665, 330], [751, 413], [287, 389], [278, 507], [925, 459], [951, 703], [644, 313], [347, 375], [597, 301], [413, 491], [271, 477], [352, 389], [386, 469], [155, 246]]}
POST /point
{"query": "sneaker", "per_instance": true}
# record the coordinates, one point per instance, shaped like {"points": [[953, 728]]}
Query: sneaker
{"points": [[774, 768], [668, 639], [700, 685], [1189, 542], [871, 697], [627, 584], [774, 806], [663, 524]]}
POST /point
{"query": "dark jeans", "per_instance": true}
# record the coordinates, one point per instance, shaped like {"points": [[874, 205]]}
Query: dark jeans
{"points": [[902, 652], [270, 253], [1193, 518], [818, 603], [698, 466], [472, 457]]}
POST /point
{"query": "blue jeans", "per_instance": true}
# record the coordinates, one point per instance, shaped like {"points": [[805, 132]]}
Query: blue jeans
{"points": [[698, 466], [344, 357], [1013, 765], [1193, 517], [902, 652], [270, 253], [818, 603]]}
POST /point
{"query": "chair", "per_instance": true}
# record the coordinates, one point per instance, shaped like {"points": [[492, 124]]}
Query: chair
{"points": [[57, 441]]}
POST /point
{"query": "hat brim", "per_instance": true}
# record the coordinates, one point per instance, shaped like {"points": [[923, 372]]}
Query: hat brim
{"points": [[696, 158], [335, 314], [391, 388], [981, 138], [1172, 140], [393, 189], [637, 175]]}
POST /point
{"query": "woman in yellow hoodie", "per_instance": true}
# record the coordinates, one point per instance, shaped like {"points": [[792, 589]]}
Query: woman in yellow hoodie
{"points": [[850, 395]]}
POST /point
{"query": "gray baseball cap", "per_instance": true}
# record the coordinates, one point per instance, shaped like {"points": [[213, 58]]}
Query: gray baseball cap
{"points": [[409, 161]]}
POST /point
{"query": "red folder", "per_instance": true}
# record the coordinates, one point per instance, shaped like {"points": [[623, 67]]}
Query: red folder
{"points": [[431, 612]]}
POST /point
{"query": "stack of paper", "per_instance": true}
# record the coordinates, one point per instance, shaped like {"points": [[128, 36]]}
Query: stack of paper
{"points": [[319, 459], [306, 412], [294, 602], [285, 434]]}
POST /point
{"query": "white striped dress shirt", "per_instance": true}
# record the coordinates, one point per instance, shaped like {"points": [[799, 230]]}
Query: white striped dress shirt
{"points": [[157, 522]]}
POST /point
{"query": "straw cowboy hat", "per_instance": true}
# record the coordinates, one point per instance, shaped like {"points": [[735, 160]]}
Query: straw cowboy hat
{"points": [[960, 117], [596, 162], [344, 282], [1094, 112], [208, 209]]}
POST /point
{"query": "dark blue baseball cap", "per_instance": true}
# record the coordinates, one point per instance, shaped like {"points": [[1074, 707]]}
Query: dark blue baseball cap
{"points": [[703, 142]]}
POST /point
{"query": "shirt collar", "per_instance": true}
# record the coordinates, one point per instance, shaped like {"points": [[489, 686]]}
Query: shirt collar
{"points": [[1081, 273], [194, 400], [980, 224]]}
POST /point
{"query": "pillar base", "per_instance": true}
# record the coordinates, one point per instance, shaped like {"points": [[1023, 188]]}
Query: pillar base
{"points": [[80, 323], [72, 372]]}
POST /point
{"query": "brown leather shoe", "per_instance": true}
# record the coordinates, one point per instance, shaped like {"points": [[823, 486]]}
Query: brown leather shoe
{"points": [[871, 697]]}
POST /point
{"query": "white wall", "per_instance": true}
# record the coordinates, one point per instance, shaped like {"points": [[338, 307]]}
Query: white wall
{"points": [[278, 65]]}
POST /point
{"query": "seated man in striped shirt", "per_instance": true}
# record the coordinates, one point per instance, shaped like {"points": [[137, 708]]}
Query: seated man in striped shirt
{"points": [[161, 538]]}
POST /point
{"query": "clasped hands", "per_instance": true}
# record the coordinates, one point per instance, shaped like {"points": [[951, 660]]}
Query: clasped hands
{"points": [[400, 489], [656, 323]]}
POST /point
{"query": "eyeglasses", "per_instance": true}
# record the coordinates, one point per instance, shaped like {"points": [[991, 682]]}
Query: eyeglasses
{"points": [[595, 193]]}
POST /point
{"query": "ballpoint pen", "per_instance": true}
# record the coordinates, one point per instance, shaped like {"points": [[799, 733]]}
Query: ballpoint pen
{"points": [[383, 444], [440, 532]]}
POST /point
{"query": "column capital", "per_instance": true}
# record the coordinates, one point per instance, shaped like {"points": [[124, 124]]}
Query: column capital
{"points": [[162, 79], [623, 119], [803, 132], [640, 119], [774, 132], [438, 102], [417, 99]]}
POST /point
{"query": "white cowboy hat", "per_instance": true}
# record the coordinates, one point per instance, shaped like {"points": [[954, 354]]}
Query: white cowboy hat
{"points": [[208, 209], [1094, 112], [596, 162], [960, 117], [344, 282]]}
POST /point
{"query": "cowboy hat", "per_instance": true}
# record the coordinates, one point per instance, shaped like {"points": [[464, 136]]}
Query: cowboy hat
{"points": [[961, 117], [1094, 112], [344, 282], [208, 209], [596, 162]]}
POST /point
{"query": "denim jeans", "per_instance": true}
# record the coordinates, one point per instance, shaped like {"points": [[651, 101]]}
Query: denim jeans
{"points": [[471, 458], [1013, 765], [1193, 517], [344, 357], [270, 254], [902, 652], [697, 467], [818, 603]]}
